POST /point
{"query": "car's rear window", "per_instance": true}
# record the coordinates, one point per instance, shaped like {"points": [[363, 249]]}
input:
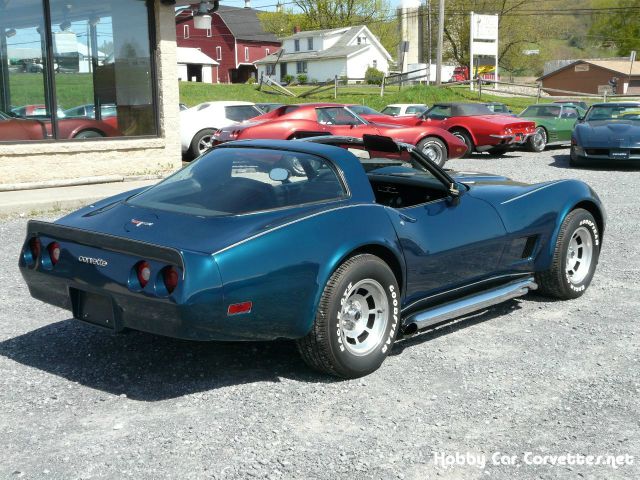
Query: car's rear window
{"points": [[240, 113], [234, 181]]}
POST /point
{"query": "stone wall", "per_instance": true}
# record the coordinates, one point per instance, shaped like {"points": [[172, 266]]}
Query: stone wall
{"points": [[48, 160]]}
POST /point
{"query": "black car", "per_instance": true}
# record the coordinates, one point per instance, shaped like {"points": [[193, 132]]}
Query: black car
{"points": [[608, 132]]}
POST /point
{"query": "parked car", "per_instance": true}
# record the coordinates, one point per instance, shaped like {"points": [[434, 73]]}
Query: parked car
{"points": [[477, 126], [609, 132], [241, 245], [497, 107], [34, 128], [108, 113], [183, 106], [404, 109], [554, 124], [268, 107], [198, 124], [313, 119]]}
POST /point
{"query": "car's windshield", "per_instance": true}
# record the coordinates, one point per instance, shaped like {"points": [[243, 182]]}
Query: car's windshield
{"points": [[363, 110], [551, 111], [393, 111], [613, 112], [233, 181], [240, 113]]}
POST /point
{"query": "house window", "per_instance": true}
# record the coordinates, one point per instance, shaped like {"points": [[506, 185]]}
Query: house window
{"points": [[267, 51], [375, 64], [185, 30], [107, 83], [310, 43], [218, 53], [246, 54], [271, 69], [301, 67], [296, 45], [359, 40], [209, 33]]}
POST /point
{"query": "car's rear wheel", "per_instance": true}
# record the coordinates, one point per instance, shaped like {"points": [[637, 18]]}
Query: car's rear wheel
{"points": [[574, 259], [357, 319], [434, 149], [538, 141], [202, 141], [466, 138]]}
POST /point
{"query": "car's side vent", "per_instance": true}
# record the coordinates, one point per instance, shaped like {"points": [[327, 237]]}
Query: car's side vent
{"points": [[529, 246]]}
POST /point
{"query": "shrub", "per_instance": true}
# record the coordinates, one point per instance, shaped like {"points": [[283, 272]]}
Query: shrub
{"points": [[287, 79], [373, 76], [251, 80], [302, 78]]}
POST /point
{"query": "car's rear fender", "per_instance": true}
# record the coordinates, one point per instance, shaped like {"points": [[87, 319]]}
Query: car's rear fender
{"points": [[283, 272]]}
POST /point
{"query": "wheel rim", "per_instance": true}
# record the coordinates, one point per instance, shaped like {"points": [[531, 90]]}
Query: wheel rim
{"points": [[579, 256], [539, 138], [363, 317], [433, 151], [205, 143]]}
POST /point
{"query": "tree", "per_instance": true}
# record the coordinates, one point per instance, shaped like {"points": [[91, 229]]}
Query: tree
{"points": [[620, 26]]}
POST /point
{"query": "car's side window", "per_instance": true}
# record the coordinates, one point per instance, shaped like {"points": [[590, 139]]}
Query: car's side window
{"points": [[569, 112], [241, 113], [336, 116]]}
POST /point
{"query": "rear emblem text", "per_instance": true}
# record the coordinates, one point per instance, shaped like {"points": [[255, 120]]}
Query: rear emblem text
{"points": [[99, 262]]}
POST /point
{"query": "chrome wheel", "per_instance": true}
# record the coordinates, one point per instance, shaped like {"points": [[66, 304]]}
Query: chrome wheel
{"points": [[539, 140], [433, 152], [363, 317], [579, 255], [205, 143]]}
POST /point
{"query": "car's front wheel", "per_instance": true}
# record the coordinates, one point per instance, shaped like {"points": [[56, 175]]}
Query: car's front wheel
{"points": [[357, 319], [434, 149], [538, 141], [575, 257], [466, 138]]}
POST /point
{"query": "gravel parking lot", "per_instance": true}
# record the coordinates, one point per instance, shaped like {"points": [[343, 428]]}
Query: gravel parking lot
{"points": [[531, 375]]}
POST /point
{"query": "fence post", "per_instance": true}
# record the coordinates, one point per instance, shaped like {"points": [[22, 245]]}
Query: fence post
{"points": [[479, 88], [384, 80], [335, 87], [261, 80], [539, 93], [604, 96]]}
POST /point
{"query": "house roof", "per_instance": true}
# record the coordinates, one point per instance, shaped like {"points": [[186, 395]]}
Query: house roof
{"points": [[245, 24], [615, 65], [193, 55], [333, 52], [339, 49]]}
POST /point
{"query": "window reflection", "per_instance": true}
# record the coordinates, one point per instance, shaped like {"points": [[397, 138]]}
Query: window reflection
{"points": [[101, 64]]}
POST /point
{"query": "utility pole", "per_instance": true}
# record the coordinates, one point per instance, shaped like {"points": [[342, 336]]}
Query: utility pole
{"points": [[429, 59], [440, 41]]}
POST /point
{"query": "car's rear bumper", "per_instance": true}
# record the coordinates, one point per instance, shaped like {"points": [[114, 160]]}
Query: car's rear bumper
{"points": [[512, 138]]}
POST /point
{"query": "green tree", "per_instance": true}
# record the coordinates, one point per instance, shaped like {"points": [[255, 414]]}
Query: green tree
{"points": [[620, 26]]}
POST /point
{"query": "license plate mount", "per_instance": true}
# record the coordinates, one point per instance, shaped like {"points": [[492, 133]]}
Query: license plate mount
{"points": [[619, 154], [94, 308]]}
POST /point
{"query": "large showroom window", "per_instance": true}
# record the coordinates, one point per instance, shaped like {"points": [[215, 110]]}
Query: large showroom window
{"points": [[72, 69]]}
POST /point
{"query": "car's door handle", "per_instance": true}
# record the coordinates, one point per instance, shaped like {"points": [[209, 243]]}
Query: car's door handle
{"points": [[407, 218]]}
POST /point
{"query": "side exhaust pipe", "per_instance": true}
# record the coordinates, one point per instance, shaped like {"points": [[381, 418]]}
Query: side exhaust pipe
{"points": [[467, 305]]}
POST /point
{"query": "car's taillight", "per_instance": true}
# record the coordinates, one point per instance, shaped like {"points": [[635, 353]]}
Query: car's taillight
{"points": [[170, 276], [35, 247], [143, 271], [54, 252]]}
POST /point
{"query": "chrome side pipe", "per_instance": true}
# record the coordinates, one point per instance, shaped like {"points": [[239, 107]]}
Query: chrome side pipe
{"points": [[467, 305]]}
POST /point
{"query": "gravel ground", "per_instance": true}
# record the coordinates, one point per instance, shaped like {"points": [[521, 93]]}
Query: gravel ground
{"points": [[527, 376]]}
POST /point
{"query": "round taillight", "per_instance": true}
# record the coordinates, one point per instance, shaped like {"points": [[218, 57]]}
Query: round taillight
{"points": [[170, 276], [54, 252], [143, 271], [34, 246]]}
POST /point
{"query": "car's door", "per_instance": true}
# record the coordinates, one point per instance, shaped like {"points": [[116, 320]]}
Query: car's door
{"points": [[448, 244], [567, 120]]}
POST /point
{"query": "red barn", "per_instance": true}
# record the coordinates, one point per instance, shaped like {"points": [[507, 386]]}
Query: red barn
{"points": [[236, 40]]}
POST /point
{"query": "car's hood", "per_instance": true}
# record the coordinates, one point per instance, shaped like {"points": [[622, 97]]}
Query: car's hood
{"points": [[608, 133], [116, 216]]}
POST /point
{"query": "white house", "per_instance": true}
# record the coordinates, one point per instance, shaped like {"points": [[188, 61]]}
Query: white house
{"points": [[195, 66], [323, 54]]}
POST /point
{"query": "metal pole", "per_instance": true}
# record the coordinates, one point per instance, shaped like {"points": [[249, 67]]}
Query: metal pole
{"points": [[440, 42], [384, 80], [335, 87], [429, 41], [632, 58]]}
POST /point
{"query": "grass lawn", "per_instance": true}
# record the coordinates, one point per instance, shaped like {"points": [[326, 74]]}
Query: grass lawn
{"points": [[195, 93]]}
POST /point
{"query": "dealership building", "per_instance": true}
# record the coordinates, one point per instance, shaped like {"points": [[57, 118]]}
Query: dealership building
{"points": [[87, 89]]}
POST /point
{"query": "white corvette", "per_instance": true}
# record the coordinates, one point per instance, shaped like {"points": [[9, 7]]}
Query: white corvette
{"points": [[197, 124]]}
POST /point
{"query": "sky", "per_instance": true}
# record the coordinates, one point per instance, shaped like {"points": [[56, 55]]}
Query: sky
{"points": [[259, 3]]}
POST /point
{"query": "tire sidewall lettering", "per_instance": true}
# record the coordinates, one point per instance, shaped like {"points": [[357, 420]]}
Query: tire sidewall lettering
{"points": [[593, 228]]}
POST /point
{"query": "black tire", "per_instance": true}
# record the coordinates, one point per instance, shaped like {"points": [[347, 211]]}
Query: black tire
{"points": [[466, 138], [89, 134], [498, 151], [559, 281], [326, 347], [573, 159], [199, 140], [434, 149], [538, 141]]}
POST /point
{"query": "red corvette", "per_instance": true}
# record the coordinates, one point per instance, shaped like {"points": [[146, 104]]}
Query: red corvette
{"points": [[14, 129], [313, 119], [473, 123]]}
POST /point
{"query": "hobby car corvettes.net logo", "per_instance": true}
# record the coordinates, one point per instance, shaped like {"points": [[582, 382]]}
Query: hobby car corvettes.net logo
{"points": [[99, 262], [140, 223]]}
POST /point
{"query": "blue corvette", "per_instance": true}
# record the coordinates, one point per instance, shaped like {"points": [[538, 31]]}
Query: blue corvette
{"points": [[340, 244]]}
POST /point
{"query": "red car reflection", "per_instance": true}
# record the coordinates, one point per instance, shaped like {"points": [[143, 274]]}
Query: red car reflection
{"points": [[14, 129]]}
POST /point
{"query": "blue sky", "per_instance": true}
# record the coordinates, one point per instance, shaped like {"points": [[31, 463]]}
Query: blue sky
{"points": [[259, 3]]}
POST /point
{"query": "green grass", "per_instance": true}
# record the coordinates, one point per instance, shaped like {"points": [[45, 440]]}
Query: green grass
{"points": [[195, 93], [73, 89]]}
